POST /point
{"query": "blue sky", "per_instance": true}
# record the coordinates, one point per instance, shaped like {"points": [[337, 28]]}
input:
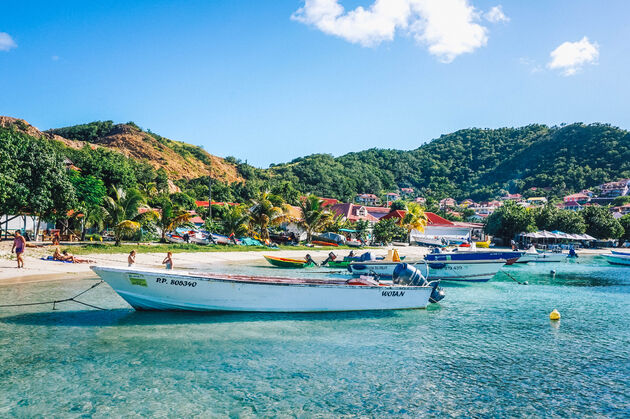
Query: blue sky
{"points": [[271, 81]]}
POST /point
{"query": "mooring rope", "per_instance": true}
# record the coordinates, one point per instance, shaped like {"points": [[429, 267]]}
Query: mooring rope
{"points": [[55, 302], [513, 279]]}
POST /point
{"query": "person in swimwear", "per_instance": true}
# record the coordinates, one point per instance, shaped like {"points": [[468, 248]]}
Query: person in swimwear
{"points": [[18, 246], [131, 259], [168, 260]]}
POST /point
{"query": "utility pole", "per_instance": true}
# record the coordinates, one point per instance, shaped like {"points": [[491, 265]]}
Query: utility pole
{"points": [[210, 190]]}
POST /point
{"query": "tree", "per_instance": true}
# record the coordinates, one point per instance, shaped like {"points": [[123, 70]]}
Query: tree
{"points": [[313, 215], [169, 216], [362, 227], [90, 192], [601, 224], [121, 211], [621, 200], [551, 218], [267, 210], [33, 179], [235, 220], [385, 231], [183, 200], [415, 218], [398, 205], [510, 220], [625, 223]]}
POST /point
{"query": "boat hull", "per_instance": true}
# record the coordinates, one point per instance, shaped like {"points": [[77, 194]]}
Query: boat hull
{"points": [[286, 263], [542, 257], [166, 290], [618, 259], [461, 271]]}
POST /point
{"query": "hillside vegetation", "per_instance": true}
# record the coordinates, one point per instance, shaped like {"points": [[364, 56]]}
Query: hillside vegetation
{"points": [[471, 163], [178, 159], [474, 163]]}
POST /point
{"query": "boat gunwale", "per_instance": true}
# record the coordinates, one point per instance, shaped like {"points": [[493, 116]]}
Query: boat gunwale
{"points": [[250, 279]]}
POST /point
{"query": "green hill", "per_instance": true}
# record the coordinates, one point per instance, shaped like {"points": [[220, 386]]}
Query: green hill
{"points": [[474, 163]]}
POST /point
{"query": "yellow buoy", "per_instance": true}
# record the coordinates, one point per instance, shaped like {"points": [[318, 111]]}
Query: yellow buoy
{"points": [[554, 315]]}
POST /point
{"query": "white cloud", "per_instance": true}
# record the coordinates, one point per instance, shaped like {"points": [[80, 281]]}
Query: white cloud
{"points": [[447, 27], [496, 15], [6, 42], [570, 57]]}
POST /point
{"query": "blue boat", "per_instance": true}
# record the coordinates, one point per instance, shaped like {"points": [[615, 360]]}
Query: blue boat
{"points": [[509, 256], [620, 253]]}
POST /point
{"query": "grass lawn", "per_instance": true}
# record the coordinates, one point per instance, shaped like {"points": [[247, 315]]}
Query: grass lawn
{"points": [[93, 248]]}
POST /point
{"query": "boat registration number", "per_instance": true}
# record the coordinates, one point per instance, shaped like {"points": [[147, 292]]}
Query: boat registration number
{"points": [[177, 282]]}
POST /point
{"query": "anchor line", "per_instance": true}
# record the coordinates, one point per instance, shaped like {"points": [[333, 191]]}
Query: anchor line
{"points": [[513, 279], [55, 302]]}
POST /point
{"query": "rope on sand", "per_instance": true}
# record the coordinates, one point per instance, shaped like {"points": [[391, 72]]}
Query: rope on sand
{"points": [[55, 302]]}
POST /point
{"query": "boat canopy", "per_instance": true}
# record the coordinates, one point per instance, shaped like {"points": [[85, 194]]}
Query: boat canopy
{"points": [[556, 234]]}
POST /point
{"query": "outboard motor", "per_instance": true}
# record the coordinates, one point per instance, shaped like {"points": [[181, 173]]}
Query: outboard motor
{"points": [[406, 274], [331, 257]]}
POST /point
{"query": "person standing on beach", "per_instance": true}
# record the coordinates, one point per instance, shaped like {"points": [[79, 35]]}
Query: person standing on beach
{"points": [[131, 259], [168, 260], [18, 246]]}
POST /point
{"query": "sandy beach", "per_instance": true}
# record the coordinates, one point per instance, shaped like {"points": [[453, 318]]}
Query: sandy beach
{"points": [[38, 270]]}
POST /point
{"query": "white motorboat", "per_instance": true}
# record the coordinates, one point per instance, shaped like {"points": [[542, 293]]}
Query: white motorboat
{"points": [[158, 289], [618, 258], [449, 270], [533, 255]]}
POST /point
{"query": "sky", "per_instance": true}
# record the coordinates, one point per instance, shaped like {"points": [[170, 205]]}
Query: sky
{"points": [[271, 81]]}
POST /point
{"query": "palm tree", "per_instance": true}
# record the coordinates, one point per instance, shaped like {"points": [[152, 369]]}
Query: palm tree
{"points": [[314, 216], [415, 218], [234, 221], [266, 211], [121, 211], [170, 216]]}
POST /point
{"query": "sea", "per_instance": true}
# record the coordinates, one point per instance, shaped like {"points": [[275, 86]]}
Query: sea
{"points": [[486, 350]]}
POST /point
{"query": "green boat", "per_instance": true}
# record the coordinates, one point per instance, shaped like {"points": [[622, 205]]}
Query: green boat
{"points": [[339, 263], [287, 263]]}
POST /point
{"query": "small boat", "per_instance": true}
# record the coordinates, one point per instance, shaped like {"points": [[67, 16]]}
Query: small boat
{"points": [[618, 253], [288, 263], [158, 289], [618, 258], [473, 255], [447, 270], [339, 264], [533, 255], [354, 243], [430, 242], [174, 238], [323, 243]]}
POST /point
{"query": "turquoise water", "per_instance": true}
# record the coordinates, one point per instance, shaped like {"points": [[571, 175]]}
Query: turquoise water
{"points": [[486, 350]]}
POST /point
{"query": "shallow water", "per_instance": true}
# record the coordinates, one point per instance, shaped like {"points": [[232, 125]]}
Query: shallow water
{"points": [[485, 350]]}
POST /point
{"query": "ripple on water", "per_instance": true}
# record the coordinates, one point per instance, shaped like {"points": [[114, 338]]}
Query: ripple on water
{"points": [[486, 350]]}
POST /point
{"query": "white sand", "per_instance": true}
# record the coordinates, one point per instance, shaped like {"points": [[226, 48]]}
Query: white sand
{"points": [[37, 270]]}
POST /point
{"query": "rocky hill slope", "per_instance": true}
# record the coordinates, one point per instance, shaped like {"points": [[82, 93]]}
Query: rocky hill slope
{"points": [[180, 160]]}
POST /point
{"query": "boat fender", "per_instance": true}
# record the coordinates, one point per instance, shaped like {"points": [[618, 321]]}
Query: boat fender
{"points": [[406, 274]]}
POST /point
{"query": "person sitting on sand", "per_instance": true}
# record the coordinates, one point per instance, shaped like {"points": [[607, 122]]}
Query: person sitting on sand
{"points": [[168, 260], [57, 255], [131, 259], [18, 246], [68, 257]]}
